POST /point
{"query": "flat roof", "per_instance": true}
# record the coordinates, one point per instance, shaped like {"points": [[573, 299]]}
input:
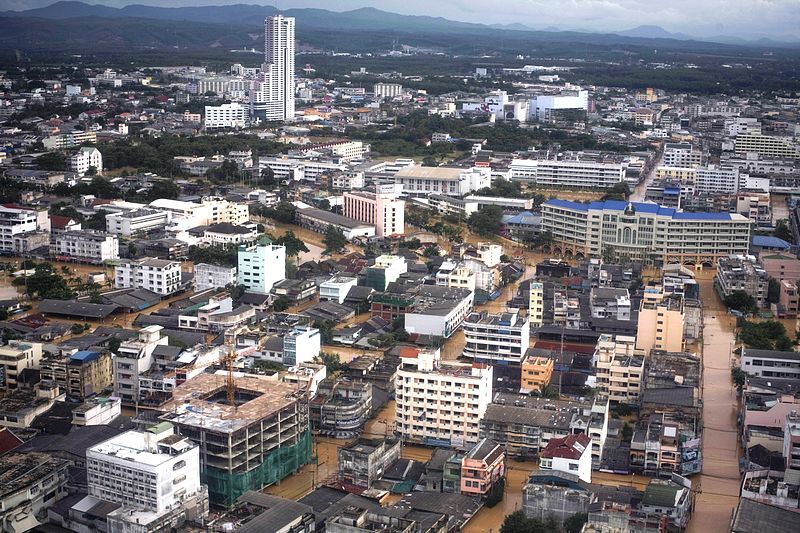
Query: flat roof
{"points": [[438, 173], [649, 208], [131, 446]]}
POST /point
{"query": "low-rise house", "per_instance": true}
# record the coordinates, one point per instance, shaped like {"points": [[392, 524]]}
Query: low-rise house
{"points": [[672, 498], [364, 461], [570, 454], [482, 467]]}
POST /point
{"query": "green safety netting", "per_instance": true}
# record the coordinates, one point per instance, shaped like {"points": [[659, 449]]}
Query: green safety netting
{"points": [[225, 487]]}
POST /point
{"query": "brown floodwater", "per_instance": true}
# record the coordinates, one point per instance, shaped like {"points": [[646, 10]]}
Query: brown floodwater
{"points": [[717, 488]]}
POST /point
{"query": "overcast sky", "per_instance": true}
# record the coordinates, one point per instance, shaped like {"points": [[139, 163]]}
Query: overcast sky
{"points": [[744, 18]]}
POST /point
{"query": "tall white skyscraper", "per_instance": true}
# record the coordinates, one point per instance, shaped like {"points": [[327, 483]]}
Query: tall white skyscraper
{"points": [[272, 93]]}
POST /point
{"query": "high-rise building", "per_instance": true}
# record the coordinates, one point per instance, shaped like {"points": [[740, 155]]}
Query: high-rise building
{"points": [[272, 93]]}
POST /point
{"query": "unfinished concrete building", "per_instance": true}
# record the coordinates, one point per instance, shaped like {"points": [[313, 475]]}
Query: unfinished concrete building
{"points": [[261, 439]]}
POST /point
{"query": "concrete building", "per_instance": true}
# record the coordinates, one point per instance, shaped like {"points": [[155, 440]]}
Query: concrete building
{"points": [[135, 357], [381, 208], [536, 304], [336, 288], [155, 275], [208, 276], [29, 484], [341, 407], [791, 448], [301, 345], [209, 211], [619, 368], [496, 339], [386, 270], [86, 158], [259, 441], [364, 461], [570, 454], [440, 404], [15, 222], [232, 115], [97, 411], [84, 247], [482, 467], [153, 475], [742, 273], [681, 155], [771, 363], [81, 374], [646, 232], [140, 221], [716, 180], [535, 373], [547, 107], [272, 92], [661, 322], [15, 357], [261, 266], [567, 173], [438, 311], [387, 90], [422, 181], [766, 146]]}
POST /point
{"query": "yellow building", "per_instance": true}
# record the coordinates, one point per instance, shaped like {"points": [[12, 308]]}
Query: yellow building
{"points": [[661, 322], [536, 304], [537, 372]]}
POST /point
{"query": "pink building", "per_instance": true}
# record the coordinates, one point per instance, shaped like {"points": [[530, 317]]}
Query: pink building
{"points": [[782, 267], [789, 300], [381, 208], [483, 465]]}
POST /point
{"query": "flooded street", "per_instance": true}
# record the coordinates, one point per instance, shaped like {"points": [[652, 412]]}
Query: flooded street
{"points": [[638, 193], [717, 488]]}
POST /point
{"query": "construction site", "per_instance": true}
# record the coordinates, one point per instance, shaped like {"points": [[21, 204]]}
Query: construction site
{"points": [[252, 432]]}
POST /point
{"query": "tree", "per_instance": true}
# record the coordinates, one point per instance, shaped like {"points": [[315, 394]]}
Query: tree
{"points": [[773, 291], [52, 161], [431, 251], [334, 240], [739, 377], [486, 221], [163, 189], [114, 344], [609, 254], [91, 171], [324, 204], [331, 361], [267, 178], [280, 304], [575, 523], [284, 212], [517, 522], [766, 335], [542, 240], [741, 301], [782, 231], [293, 244], [620, 191]]}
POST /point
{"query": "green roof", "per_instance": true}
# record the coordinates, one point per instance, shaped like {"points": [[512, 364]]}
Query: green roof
{"points": [[161, 427], [661, 495]]}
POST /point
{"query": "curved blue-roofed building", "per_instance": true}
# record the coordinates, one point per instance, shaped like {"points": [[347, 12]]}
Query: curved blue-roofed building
{"points": [[644, 232]]}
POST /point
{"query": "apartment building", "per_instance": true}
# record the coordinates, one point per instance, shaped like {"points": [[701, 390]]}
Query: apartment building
{"points": [[208, 276], [440, 404], [422, 181], [387, 269], [714, 179], [661, 321], [81, 374], [438, 311], [336, 289], [771, 363], [496, 339], [381, 208], [135, 357], [154, 475], [223, 116], [567, 173], [619, 368], [84, 247], [482, 467], [364, 461], [345, 151], [261, 266], [70, 139], [645, 232], [285, 168], [136, 222], [387, 90], [210, 210], [536, 304], [756, 206], [155, 275], [272, 93], [681, 155], [766, 146], [301, 345], [535, 373], [15, 357], [86, 158], [455, 275], [16, 222], [742, 273]]}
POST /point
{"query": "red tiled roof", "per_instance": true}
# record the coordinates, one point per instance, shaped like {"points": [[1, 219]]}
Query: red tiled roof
{"points": [[59, 222], [8, 441], [569, 447], [408, 351]]}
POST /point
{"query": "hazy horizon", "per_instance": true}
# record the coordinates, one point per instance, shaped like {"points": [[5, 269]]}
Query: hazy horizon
{"points": [[777, 19]]}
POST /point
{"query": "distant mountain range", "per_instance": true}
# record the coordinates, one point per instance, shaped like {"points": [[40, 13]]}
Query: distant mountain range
{"points": [[73, 24]]}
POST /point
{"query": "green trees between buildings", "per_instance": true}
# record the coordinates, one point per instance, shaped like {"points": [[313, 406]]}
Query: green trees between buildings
{"points": [[486, 221], [741, 301], [517, 522], [334, 240], [767, 335]]}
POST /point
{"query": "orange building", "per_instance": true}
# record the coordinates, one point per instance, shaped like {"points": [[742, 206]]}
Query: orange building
{"points": [[537, 371]]}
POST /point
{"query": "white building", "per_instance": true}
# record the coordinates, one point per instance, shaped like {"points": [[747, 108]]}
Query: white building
{"points": [[716, 180], [156, 275], [336, 289], [231, 115], [261, 266], [88, 156], [133, 358], [619, 368], [440, 404], [84, 247], [213, 276], [387, 90], [681, 155], [15, 357], [272, 92], [285, 168], [154, 474], [97, 411], [544, 108], [439, 313], [381, 208], [571, 454], [140, 221], [187, 215], [422, 181], [15, 221], [647, 232], [502, 337], [300, 345], [567, 173]]}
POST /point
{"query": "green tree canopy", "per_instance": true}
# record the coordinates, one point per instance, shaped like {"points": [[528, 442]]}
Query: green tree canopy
{"points": [[294, 245], [334, 240], [486, 221]]}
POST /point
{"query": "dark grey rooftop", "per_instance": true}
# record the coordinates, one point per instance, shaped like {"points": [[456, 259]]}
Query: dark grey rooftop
{"points": [[755, 517]]}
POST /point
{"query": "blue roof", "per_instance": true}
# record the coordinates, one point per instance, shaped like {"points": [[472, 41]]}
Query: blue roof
{"points": [[84, 356], [650, 208], [523, 217], [768, 241]]}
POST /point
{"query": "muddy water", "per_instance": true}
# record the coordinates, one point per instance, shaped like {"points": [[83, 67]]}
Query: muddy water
{"points": [[718, 486]]}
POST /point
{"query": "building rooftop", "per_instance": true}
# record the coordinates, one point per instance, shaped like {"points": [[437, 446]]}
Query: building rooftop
{"points": [[18, 470], [653, 209], [201, 402]]}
